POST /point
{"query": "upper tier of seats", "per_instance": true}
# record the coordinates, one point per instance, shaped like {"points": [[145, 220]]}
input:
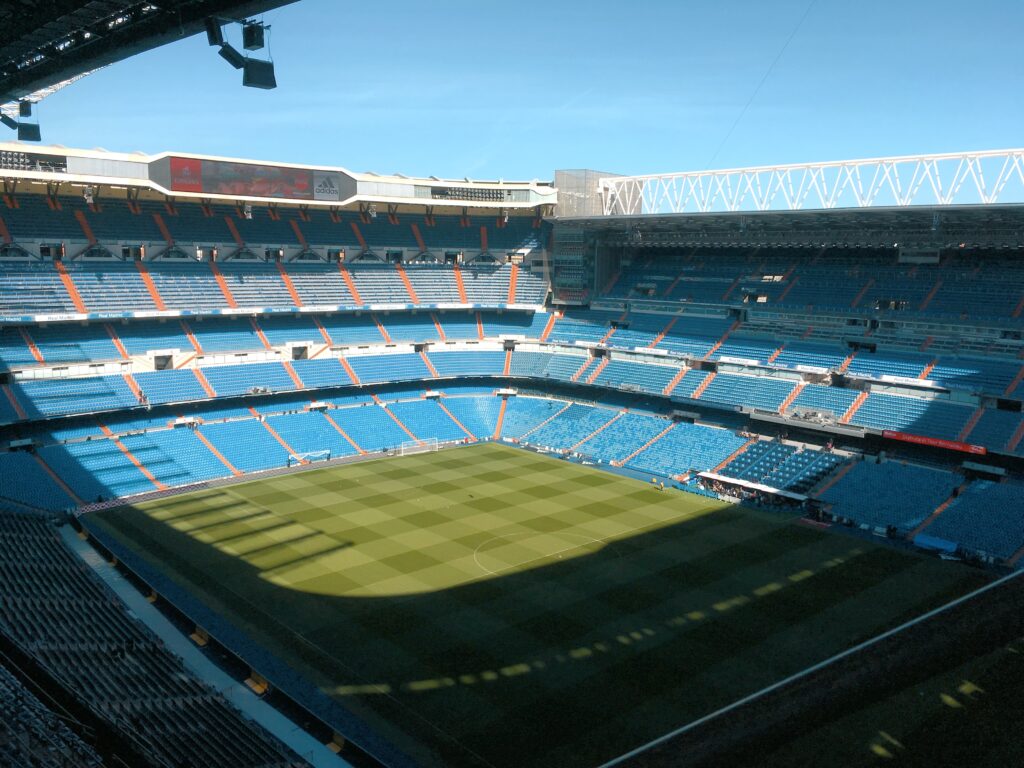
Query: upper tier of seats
{"points": [[120, 287], [112, 223], [961, 286]]}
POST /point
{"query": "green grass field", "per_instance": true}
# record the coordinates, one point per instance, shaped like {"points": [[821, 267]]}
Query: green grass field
{"points": [[488, 606]]}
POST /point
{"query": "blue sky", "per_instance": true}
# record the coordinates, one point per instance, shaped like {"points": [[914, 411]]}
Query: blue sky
{"points": [[490, 89]]}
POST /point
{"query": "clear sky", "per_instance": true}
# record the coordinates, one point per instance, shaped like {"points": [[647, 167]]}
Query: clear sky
{"points": [[490, 89]]}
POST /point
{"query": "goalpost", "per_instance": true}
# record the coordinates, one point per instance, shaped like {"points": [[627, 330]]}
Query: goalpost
{"points": [[425, 445], [308, 457]]}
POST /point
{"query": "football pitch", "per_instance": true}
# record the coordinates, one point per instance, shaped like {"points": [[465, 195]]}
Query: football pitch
{"points": [[488, 606]]}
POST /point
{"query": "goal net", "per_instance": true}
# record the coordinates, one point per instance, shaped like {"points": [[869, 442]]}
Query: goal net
{"points": [[419, 446], [308, 457]]}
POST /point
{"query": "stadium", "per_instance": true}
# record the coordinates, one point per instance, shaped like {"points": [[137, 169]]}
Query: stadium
{"points": [[301, 466]]}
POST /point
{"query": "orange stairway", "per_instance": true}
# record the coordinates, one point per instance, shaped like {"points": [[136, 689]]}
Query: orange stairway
{"points": [[675, 381], [71, 288], [513, 278], [222, 283], [293, 374], [383, 331], [235, 234], [1012, 386], [274, 434], [298, 234], [349, 370], [460, 285], [287, 280], [350, 283], [147, 280], [742, 449], [430, 365], [359, 236], [27, 338], [86, 229], [220, 456], [930, 296], [1018, 435], [938, 511], [548, 327], [721, 341], [460, 425], [343, 433], [133, 459], [56, 478], [792, 396], [703, 385], [501, 418], [13, 400], [395, 418], [419, 237], [121, 350], [664, 332], [860, 296], [854, 406], [407, 283], [579, 371], [645, 446], [971, 424], [204, 382], [599, 430], [597, 371], [546, 421]]}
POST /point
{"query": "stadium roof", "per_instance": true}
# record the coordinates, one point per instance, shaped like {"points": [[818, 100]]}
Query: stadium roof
{"points": [[971, 226], [45, 42]]}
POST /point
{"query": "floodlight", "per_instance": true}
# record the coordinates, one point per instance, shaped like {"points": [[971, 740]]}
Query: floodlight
{"points": [[231, 56], [28, 132], [214, 33], [24, 109], [259, 74]]}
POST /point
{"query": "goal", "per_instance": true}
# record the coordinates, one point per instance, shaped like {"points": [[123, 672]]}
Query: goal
{"points": [[309, 457], [419, 446]]}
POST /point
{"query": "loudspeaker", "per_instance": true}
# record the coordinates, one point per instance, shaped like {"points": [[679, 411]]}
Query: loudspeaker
{"points": [[259, 74], [10, 122], [28, 132], [252, 36], [214, 34], [25, 109], [231, 56]]}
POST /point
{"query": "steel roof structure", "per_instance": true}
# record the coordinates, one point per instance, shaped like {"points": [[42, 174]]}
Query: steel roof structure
{"points": [[960, 178], [46, 42]]}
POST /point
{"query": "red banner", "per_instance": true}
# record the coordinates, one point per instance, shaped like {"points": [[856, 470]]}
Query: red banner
{"points": [[935, 442], [186, 174]]}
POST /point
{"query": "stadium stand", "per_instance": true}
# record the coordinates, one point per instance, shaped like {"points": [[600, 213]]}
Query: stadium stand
{"points": [[984, 518], [57, 612], [889, 494], [30, 734]]}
